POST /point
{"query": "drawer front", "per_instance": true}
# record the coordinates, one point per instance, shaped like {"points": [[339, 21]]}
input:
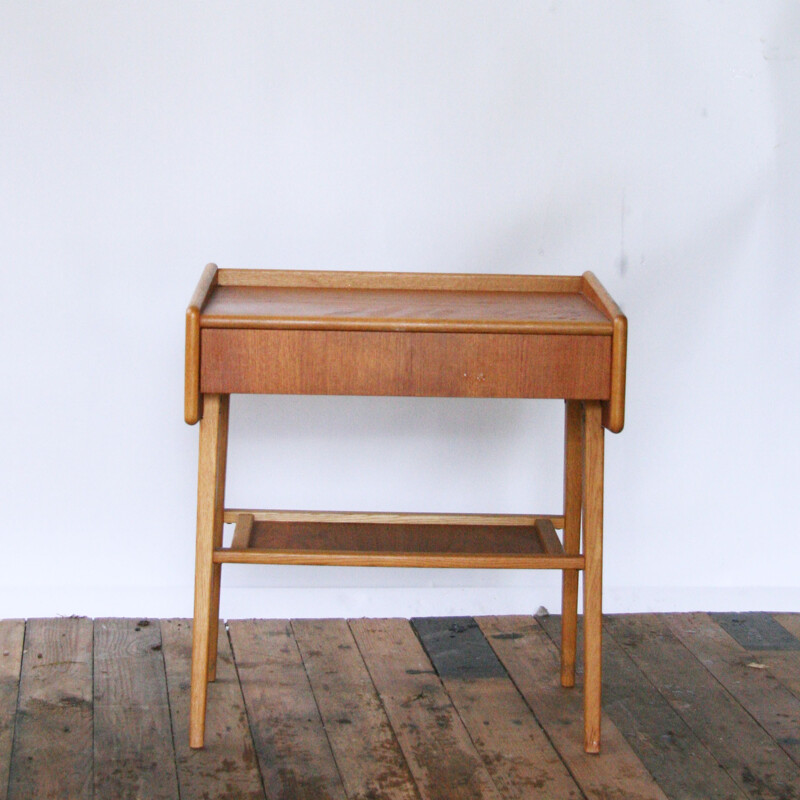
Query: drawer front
{"points": [[419, 364]]}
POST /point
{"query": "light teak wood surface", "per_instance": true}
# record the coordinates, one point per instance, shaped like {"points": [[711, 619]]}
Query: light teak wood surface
{"points": [[593, 573], [210, 499], [275, 331], [402, 309], [385, 541], [573, 483], [415, 364], [208, 281], [345, 333]]}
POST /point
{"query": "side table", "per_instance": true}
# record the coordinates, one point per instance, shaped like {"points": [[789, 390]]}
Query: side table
{"points": [[419, 335]]}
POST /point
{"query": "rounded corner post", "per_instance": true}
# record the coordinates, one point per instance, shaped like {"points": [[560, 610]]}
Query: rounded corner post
{"points": [[192, 399], [614, 409], [192, 403]]}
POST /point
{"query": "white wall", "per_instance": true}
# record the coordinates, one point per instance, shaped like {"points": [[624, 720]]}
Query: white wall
{"points": [[654, 143]]}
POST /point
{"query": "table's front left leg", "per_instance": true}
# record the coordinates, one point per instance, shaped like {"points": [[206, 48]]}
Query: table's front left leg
{"points": [[593, 573], [213, 440]]}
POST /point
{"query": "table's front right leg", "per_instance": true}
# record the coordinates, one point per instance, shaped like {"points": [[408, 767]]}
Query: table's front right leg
{"points": [[593, 573]]}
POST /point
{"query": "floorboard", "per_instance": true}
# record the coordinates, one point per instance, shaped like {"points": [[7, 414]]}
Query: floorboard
{"points": [[745, 676], [52, 750], [133, 752], [785, 664], [226, 768], [695, 706], [757, 631], [741, 746], [12, 633], [437, 746], [791, 622], [514, 748], [681, 764], [366, 750], [532, 662], [293, 750]]}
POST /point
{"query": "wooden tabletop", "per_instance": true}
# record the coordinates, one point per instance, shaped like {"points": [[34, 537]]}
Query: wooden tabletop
{"points": [[401, 309], [336, 300], [376, 301]]}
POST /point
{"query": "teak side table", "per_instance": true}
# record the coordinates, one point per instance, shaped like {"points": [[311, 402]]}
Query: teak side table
{"points": [[422, 335]]}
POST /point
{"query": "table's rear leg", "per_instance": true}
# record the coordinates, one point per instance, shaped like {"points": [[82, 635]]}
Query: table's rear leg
{"points": [[593, 573], [573, 475], [213, 437], [219, 510]]}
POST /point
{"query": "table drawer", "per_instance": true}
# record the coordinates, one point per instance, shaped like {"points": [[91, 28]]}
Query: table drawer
{"points": [[422, 364]]}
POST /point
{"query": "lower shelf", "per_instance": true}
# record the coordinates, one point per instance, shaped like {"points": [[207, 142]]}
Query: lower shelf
{"points": [[396, 540]]}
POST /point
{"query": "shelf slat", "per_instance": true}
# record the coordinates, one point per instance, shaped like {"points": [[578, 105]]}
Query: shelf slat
{"points": [[388, 517], [393, 543], [387, 559]]}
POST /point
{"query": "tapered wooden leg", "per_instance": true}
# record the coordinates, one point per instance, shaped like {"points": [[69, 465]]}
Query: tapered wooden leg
{"points": [[219, 509], [209, 520], [573, 474], [593, 573]]}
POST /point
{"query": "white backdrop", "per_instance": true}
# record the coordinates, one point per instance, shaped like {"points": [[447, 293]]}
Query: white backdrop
{"points": [[656, 144]]}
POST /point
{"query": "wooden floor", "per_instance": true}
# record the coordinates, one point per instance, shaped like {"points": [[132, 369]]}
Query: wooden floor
{"points": [[696, 706]]}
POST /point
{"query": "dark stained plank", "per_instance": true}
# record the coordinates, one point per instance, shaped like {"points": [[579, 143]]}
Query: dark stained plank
{"points": [[457, 648], [133, 753], [367, 753], [52, 755], [735, 739], [532, 662], [437, 747], [293, 751], [757, 631], [682, 766], [514, 749], [12, 633], [745, 676], [226, 768]]}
